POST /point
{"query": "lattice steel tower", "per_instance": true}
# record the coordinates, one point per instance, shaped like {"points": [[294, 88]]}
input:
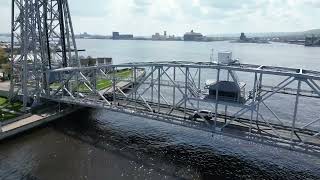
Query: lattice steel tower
{"points": [[42, 38]]}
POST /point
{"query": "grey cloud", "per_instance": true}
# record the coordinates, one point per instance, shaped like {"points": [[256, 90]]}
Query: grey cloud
{"points": [[5, 3], [143, 3], [141, 6], [313, 3], [220, 9], [228, 4], [88, 8]]}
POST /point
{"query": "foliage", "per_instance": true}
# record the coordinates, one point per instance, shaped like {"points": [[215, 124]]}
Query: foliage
{"points": [[3, 56], [6, 70], [5, 104]]}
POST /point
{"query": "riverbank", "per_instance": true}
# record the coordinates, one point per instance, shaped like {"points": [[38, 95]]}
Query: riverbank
{"points": [[27, 121], [14, 121]]}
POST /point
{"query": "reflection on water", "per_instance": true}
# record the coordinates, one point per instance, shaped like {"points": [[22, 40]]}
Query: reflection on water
{"points": [[98, 144]]}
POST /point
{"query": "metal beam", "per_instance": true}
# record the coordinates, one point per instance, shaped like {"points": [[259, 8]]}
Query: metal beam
{"points": [[295, 110]]}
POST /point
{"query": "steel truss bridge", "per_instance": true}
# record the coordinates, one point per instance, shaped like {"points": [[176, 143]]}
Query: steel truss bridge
{"points": [[172, 91], [47, 68]]}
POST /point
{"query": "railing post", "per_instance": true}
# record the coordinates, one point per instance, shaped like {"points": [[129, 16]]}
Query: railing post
{"points": [[259, 96], [253, 100], [159, 86], [226, 106], [95, 82], [134, 84], [199, 88], [114, 84], [47, 90], [152, 83], [295, 110], [217, 100], [174, 88], [186, 92]]}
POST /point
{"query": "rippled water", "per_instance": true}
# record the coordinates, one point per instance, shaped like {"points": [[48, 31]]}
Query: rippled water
{"points": [[99, 144]]}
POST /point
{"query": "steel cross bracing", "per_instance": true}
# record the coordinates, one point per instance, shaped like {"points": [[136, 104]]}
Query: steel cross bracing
{"points": [[172, 91], [42, 31]]}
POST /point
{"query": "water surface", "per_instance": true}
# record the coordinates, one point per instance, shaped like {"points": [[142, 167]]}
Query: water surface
{"points": [[99, 144]]}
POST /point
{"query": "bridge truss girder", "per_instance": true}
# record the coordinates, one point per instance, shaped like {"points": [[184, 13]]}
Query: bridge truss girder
{"points": [[171, 92]]}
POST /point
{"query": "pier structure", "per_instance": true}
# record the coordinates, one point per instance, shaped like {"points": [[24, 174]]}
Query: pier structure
{"points": [[47, 68]]}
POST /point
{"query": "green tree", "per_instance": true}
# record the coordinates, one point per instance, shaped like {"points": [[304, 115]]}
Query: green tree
{"points": [[6, 71], [3, 56]]}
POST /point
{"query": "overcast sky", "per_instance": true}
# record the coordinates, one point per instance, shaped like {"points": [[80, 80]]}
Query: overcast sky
{"points": [[145, 17]]}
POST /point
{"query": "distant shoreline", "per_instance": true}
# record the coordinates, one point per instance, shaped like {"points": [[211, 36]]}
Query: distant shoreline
{"points": [[150, 39]]}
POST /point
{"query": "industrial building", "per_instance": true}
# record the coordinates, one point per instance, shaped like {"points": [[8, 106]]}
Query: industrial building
{"points": [[312, 41], [118, 36], [193, 36], [159, 37], [164, 37], [89, 61]]}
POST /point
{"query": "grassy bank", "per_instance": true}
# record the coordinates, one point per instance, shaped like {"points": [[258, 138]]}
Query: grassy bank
{"points": [[101, 83], [8, 110]]}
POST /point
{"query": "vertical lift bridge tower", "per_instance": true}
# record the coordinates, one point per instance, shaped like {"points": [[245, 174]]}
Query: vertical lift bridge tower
{"points": [[43, 30]]}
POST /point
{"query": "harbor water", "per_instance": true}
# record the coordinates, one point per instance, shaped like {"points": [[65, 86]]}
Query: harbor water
{"points": [[99, 144]]}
